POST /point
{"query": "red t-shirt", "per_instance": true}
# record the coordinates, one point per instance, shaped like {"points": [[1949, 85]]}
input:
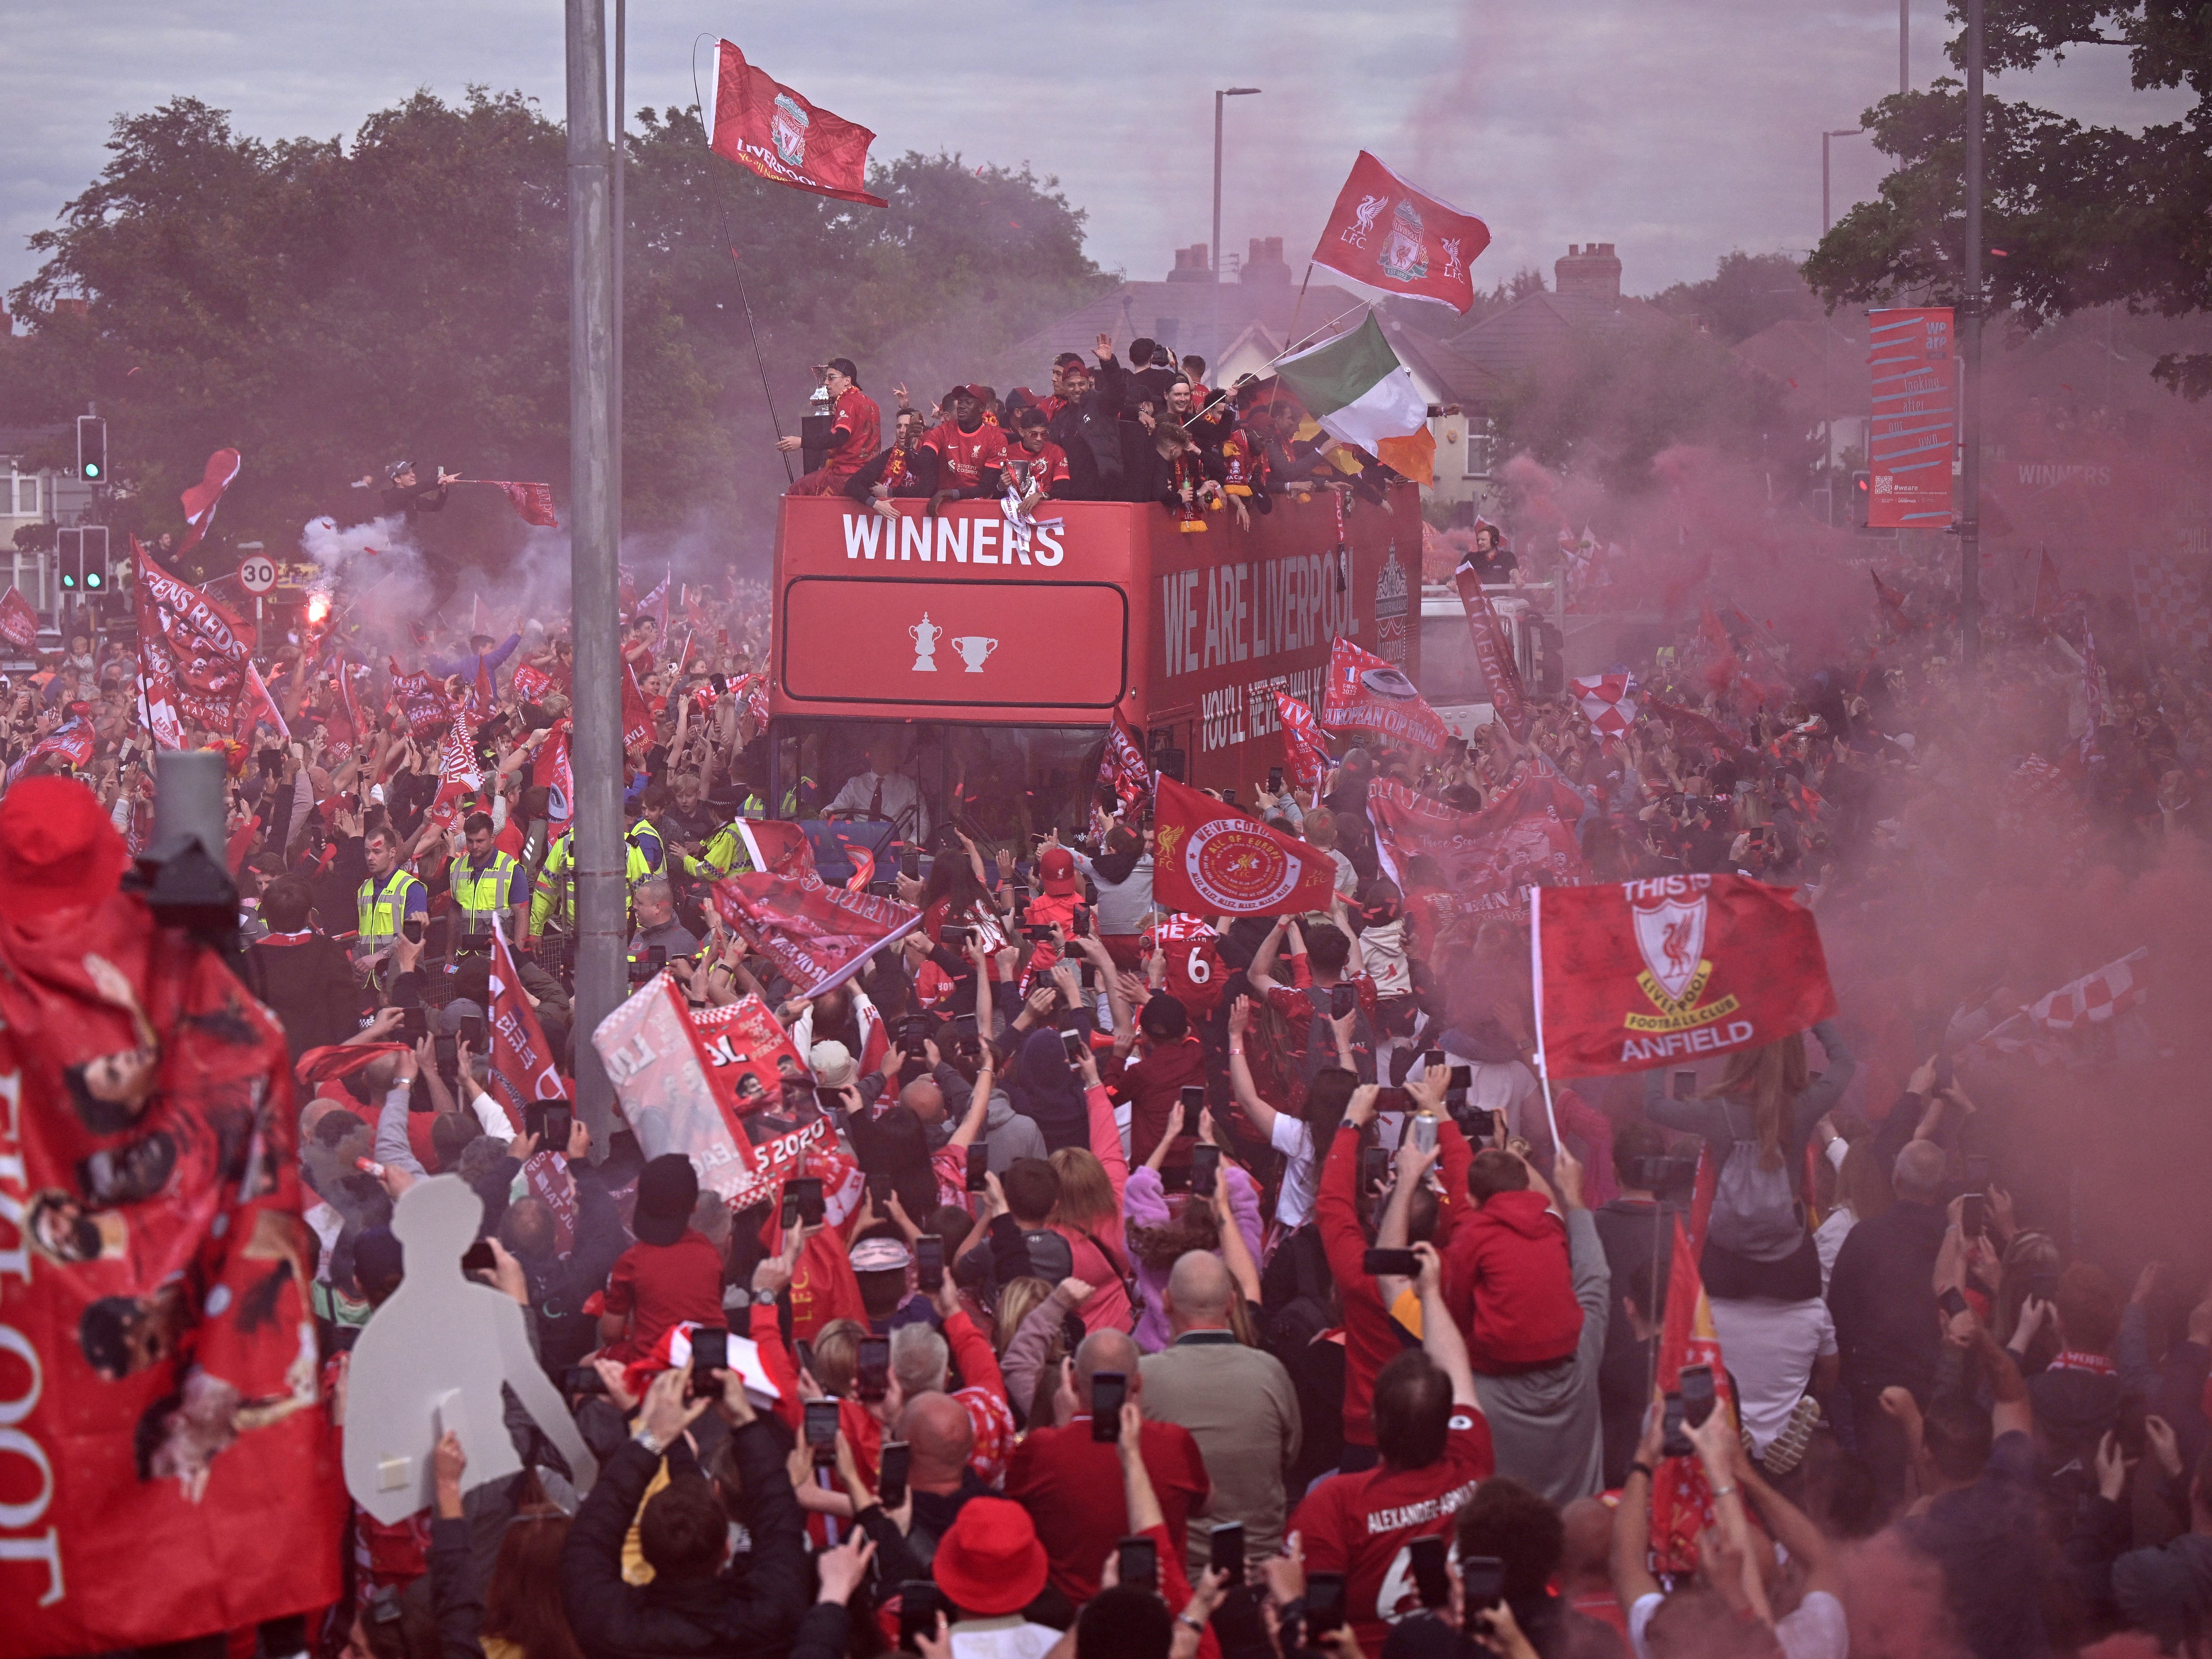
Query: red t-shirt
{"points": [[1362, 1525], [962, 456], [857, 413], [1195, 975], [662, 1284], [1071, 1485], [1046, 469]]}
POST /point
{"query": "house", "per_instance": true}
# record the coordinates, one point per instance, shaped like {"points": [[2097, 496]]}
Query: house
{"points": [[32, 494], [1585, 298]]}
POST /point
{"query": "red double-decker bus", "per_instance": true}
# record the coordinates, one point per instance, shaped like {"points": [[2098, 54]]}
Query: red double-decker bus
{"points": [[986, 672]]}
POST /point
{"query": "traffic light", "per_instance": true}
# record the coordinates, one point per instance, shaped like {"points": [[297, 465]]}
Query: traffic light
{"points": [[96, 558], [92, 448], [68, 559], [1862, 498]]}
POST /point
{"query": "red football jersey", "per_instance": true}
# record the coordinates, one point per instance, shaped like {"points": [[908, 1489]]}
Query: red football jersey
{"points": [[962, 456], [1045, 469], [1362, 1525], [856, 412], [1196, 975]]}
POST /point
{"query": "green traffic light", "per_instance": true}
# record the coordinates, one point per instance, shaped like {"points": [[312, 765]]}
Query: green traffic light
{"points": [[92, 579], [92, 469]]}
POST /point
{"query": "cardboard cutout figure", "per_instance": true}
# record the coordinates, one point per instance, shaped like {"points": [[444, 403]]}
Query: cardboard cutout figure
{"points": [[433, 1359]]}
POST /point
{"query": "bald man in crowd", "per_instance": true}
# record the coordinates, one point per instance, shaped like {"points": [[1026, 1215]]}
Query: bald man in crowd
{"points": [[1237, 1402]]}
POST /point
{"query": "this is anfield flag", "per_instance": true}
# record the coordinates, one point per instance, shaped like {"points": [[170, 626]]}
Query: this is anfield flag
{"points": [[768, 129], [201, 500], [1384, 233], [1635, 974], [816, 935], [1210, 860], [1364, 693]]}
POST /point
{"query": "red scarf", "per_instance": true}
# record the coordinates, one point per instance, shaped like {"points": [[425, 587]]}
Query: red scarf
{"points": [[894, 468], [1187, 475], [2073, 1359]]}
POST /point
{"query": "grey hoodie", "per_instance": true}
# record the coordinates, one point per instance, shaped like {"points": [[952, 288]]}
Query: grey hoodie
{"points": [[1009, 1134]]}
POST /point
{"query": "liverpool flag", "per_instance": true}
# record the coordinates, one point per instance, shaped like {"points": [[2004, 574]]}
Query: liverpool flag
{"points": [[1384, 233], [1210, 859], [768, 129], [1635, 974]]}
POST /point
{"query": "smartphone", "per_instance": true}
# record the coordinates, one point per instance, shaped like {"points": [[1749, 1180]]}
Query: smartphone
{"points": [[1324, 1603], [891, 1477], [979, 1168], [1205, 1170], [1110, 1392], [804, 1350], [1193, 1104], [1432, 1059], [1342, 1000], [413, 928], [472, 1032], [2128, 1427], [1076, 1045], [790, 1210], [1070, 950], [1482, 1581], [954, 937], [446, 1052], [710, 1352], [1674, 1442], [1432, 1572], [822, 1431], [1953, 1301], [1685, 1086], [914, 1036], [1083, 921], [1459, 1079], [1698, 1395], [1275, 780], [1973, 1220], [827, 1101], [1140, 1564], [1374, 1167], [1425, 1134], [917, 1613], [1225, 1551], [414, 1023], [929, 1263], [808, 1190], [873, 1381], [1403, 1264], [478, 1258], [1945, 1075], [910, 864]]}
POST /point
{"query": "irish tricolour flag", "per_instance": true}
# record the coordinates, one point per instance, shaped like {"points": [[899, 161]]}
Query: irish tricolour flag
{"points": [[1357, 388]]}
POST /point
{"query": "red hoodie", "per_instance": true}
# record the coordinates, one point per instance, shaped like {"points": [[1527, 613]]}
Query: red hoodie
{"points": [[1508, 1286]]}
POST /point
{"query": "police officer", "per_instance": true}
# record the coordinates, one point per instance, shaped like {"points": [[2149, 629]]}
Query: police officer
{"points": [[391, 897], [553, 901], [486, 882], [645, 837]]}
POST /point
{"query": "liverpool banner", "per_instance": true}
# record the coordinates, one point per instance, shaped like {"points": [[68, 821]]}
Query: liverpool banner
{"points": [[768, 129], [1210, 860], [1493, 654], [816, 935], [1489, 859], [522, 1071], [191, 653], [1632, 975], [1366, 693]]}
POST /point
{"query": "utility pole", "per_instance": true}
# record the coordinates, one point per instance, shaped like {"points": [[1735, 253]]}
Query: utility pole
{"points": [[1827, 333], [1228, 91], [1903, 46], [621, 237], [596, 749], [1970, 379]]}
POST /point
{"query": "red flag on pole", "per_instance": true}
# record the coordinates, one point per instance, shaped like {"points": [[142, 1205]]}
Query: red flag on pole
{"points": [[816, 935], [777, 848], [1364, 693], [196, 650], [1682, 1497], [257, 705], [1492, 653], [523, 1070], [202, 499], [768, 129], [1211, 860], [534, 502], [19, 624], [1632, 975], [1305, 754], [1384, 233], [556, 767], [1121, 765], [637, 718]]}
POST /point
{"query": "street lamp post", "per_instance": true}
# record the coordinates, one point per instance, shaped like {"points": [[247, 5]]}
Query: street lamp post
{"points": [[1970, 381], [1827, 333], [1227, 91]]}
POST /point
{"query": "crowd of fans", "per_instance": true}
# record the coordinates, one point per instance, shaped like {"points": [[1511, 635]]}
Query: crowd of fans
{"points": [[1215, 1285]]}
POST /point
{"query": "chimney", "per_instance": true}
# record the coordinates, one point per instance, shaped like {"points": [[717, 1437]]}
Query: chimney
{"points": [[1193, 265], [1588, 272], [68, 307], [1263, 265]]}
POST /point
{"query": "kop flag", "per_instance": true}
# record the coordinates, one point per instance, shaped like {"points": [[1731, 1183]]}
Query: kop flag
{"points": [[1609, 702], [1682, 1497], [534, 502], [768, 129], [1489, 859], [1211, 860], [162, 1427], [1632, 975], [201, 500], [1364, 693], [1384, 233], [816, 935], [189, 646], [19, 624], [1493, 654], [1121, 764], [522, 1071], [636, 718], [1305, 756]]}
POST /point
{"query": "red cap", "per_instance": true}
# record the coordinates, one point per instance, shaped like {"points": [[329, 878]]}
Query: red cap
{"points": [[989, 1562], [58, 848], [1057, 868]]}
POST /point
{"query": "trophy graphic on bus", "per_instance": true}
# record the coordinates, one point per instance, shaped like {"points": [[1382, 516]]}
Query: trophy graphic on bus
{"points": [[974, 650], [925, 635]]}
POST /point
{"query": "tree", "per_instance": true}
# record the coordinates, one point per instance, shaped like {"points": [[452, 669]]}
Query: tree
{"points": [[2074, 215], [1747, 293], [327, 308]]}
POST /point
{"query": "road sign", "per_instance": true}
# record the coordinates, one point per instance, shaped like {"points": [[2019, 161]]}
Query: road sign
{"points": [[257, 573]]}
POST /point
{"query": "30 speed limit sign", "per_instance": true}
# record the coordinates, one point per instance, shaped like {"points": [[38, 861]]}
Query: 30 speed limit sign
{"points": [[257, 573]]}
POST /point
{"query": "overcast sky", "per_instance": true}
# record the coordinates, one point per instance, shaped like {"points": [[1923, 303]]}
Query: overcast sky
{"points": [[1676, 131]]}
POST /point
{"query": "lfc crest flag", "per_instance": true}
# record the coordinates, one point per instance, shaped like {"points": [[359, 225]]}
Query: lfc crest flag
{"points": [[1633, 975], [1384, 233], [768, 128], [1211, 860]]}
